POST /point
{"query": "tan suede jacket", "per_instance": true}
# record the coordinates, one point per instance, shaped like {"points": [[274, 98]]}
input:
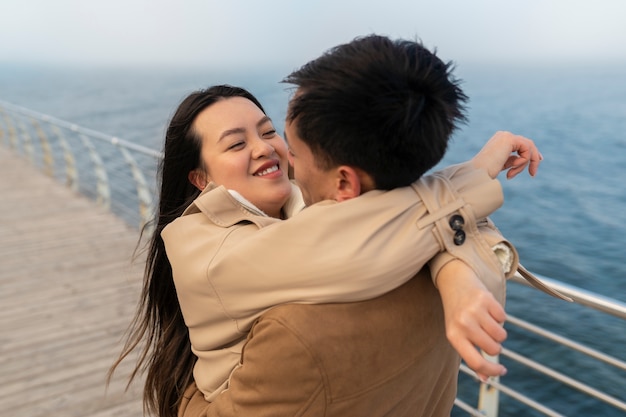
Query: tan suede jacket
{"points": [[388, 356], [230, 264]]}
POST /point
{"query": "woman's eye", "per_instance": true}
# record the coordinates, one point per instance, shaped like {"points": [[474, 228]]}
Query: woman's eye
{"points": [[270, 133], [237, 145]]}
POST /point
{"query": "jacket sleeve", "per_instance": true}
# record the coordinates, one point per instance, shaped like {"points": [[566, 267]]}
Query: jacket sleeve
{"points": [[263, 384], [500, 265], [357, 249], [490, 256]]}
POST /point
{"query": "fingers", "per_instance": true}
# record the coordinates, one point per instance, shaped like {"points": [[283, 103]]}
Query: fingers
{"points": [[478, 363], [527, 155], [506, 150], [488, 340], [470, 332], [481, 365], [488, 337], [492, 333], [495, 309], [534, 162]]}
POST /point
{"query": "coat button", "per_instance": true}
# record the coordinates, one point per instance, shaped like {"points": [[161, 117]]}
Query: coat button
{"points": [[459, 237], [456, 222]]}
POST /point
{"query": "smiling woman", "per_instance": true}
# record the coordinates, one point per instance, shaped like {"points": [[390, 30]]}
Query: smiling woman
{"points": [[242, 151]]}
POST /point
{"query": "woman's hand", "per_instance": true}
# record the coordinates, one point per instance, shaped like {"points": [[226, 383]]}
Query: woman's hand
{"points": [[508, 151], [473, 316]]}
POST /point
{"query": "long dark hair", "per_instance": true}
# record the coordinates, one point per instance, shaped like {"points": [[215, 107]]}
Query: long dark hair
{"points": [[158, 325]]}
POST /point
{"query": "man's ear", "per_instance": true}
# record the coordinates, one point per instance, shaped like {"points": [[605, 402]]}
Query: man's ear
{"points": [[348, 183], [198, 178]]}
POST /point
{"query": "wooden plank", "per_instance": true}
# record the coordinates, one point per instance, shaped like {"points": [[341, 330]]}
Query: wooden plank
{"points": [[68, 289]]}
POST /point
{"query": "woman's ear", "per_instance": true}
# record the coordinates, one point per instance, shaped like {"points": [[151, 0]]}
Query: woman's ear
{"points": [[198, 178]]}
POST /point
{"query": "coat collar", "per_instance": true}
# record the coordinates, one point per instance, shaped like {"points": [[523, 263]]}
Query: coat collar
{"points": [[225, 210]]}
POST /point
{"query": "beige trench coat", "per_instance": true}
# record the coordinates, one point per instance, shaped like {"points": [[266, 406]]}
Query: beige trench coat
{"points": [[230, 265]]}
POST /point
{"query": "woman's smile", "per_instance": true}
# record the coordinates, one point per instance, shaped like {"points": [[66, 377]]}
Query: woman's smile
{"points": [[268, 168]]}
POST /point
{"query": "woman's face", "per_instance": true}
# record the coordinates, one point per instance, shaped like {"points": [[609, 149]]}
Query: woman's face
{"points": [[242, 151]]}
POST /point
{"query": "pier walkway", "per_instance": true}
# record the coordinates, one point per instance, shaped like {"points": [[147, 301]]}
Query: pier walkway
{"points": [[68, 288]]}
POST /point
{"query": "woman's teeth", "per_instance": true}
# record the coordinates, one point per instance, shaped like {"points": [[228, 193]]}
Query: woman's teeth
{"points": [[267, 171]]}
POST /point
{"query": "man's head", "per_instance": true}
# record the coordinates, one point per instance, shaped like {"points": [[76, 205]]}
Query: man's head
{"points": [[385, 109]]}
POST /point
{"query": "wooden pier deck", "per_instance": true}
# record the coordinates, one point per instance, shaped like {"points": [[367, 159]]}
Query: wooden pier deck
{"points": [[68, 289]]}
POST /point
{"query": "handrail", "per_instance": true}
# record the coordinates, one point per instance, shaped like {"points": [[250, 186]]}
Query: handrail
{"points": [[113, 140], [88, 158], [116, 168], [581, 296]]}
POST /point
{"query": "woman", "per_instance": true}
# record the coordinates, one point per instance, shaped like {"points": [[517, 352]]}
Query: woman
{"points": [[205, 145]]}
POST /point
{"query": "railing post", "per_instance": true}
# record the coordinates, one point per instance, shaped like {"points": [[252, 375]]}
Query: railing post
{"points": [[1, 128], [71, 173], [143, 194], [27, 143], [10, 131], [102, 180], [488, 397], [48, 159]]}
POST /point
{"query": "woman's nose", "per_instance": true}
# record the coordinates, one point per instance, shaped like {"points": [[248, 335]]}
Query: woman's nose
{"points": [[262, 148]]}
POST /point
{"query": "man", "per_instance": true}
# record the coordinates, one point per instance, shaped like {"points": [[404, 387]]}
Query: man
{"points": [[365, 102]]}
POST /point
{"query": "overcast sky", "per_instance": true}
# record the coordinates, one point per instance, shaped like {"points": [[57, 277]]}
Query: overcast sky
{"points": [[242, 33]]}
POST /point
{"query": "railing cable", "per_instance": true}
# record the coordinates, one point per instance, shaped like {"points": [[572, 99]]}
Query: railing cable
{"points": [[565, 379], [516, 395], [567, 342]]}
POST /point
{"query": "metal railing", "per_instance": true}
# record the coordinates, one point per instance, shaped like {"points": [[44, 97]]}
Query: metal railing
{"points": [[611, 371], [112, 172], [105, 168]]}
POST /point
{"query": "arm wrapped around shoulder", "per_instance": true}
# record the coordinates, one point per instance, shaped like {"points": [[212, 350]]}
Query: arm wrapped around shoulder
{"points": [[458, 207]]}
